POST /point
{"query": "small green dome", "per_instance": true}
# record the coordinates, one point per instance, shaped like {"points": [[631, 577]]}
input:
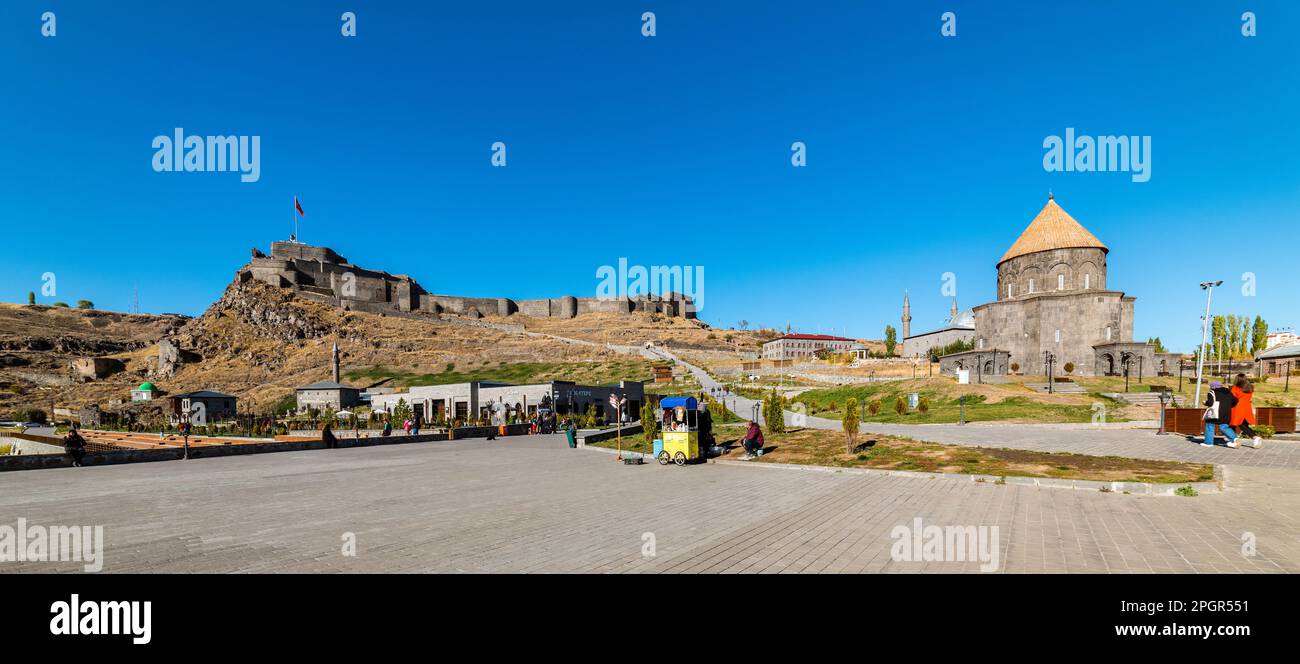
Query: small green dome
{"points": [[147, 387]]}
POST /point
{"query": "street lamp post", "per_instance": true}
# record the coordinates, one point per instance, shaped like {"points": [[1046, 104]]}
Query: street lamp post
{"points": [[1208, 287]]}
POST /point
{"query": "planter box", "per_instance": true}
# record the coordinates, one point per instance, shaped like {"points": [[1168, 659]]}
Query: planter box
{"points": [[1281, 419], [1184, 420], [1188, 420]]}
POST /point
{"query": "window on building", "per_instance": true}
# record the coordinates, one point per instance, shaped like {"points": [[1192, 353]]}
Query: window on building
{"points": [[1087, 281], [1107, 333], [981, 344], [1058, 336], [1060, 282], [1031, 285], [1010, 290]]}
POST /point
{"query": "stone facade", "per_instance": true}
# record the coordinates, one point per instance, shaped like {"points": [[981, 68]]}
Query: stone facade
{"points": [[794, 346], [436, 403], [95, 368], [920, 345], [321, 274], [978, 362]]}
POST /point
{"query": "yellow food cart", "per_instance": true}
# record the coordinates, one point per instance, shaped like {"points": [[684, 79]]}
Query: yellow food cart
{"points": [[679, 417]]}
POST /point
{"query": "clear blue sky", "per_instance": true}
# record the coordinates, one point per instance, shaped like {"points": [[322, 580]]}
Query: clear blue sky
{"points": [[924, 153]]}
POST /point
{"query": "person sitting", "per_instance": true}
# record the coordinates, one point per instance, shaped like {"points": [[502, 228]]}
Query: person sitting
{"points": [[753, 441]]}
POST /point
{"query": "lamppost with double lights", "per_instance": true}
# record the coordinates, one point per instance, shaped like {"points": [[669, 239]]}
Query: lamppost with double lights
{"points": [[1208, 287]]}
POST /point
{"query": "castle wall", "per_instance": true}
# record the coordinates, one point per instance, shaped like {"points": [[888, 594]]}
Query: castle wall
{"points": [[322, 275]]}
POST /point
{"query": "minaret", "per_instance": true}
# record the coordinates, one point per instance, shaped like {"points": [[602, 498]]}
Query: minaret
{"points": [[336, 362], [907, 316], [952, 317]]}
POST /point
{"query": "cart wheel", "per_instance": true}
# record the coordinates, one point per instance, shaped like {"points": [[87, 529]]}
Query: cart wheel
{"points": [[679, 459], [664, 458]]}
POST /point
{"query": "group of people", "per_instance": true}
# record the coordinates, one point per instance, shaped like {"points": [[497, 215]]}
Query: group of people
{"points": [[1230, 410]]}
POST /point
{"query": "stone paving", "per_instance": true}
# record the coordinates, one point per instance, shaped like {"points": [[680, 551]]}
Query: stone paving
{"points": [[530, 504]]}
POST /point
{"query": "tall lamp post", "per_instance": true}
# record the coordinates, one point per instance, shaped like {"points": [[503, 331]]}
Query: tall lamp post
{"points": [[1208, 287]]}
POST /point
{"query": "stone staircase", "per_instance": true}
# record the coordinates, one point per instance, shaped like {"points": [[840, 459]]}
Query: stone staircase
{"points": [[1058, 388]]}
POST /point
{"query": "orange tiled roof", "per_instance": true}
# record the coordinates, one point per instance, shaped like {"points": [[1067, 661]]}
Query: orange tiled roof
{"points": [[1053, 228]]}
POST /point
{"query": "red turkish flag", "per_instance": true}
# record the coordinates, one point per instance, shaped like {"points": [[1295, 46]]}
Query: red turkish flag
{"points": [[299, 206]]}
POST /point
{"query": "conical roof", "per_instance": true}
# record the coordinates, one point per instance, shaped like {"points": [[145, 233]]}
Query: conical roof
{"points": [[1053, 228]]}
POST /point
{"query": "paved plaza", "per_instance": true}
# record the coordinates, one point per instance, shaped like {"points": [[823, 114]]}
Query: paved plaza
{"points": [[530, 504]]}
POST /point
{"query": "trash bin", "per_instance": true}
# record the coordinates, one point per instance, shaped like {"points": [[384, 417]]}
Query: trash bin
{"points": [[573, 440], [658, 447]]}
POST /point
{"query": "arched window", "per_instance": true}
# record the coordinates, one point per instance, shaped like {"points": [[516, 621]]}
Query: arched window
{"points": [[1060, 282], [1107, 333], [1031, 285], [1087, 281], [1010, 290]]}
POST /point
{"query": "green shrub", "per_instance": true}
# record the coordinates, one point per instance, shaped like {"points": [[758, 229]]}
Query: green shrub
{"points": [[1264, 430], [1186, 491], [874, 407], [924, 405], [900, 406]]}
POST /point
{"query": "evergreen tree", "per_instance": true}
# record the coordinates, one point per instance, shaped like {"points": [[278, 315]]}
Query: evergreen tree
{"points": [[649, 422], [1259, 336], [31, 297], [850, 423]]}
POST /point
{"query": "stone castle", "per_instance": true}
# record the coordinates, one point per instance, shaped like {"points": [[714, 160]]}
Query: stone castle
{"points": [[321, 275]]}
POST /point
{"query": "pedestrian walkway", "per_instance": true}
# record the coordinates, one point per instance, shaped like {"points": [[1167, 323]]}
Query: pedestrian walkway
{"points": [[531, 504]]}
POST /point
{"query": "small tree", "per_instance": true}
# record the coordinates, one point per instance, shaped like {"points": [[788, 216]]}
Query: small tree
{"points": [[850, 423], [1069, 367], [31, 297], [774, 412], [900, 406], [874, 407], [924, 405], [1015, 366], [649, 422], [85, 304], [891, 340], [589, 420], [401, 412]]}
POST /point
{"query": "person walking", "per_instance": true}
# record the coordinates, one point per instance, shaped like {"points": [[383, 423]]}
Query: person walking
{"points": [[1243, 414], [328, 436], [388, 428], [406, 426], [75, 446], [1218, 412]]}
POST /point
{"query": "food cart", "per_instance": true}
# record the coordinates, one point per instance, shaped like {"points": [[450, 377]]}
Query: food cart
{"points": [[680, 422]]}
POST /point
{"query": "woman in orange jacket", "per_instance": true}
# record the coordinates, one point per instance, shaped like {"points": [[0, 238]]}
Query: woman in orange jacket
{"points": [[1243, 414]]}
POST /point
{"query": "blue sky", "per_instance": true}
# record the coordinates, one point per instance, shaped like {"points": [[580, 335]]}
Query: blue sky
{"points": [[924, 152]]}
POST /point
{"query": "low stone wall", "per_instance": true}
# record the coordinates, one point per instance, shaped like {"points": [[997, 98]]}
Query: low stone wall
{"points": [[609, 434], [60, 460], [22, 446]]}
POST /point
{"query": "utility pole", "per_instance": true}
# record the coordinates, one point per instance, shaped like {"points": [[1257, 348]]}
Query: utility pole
{"points": [[1208, 287]]}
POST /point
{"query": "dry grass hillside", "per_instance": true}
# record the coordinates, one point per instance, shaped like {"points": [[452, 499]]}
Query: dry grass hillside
{"points": [[260, 342]]}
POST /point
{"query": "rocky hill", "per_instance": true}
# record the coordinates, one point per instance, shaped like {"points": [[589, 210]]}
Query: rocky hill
{"points": [[259, 342]]}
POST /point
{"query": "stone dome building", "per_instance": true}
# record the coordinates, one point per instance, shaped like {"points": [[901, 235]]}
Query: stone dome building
{"points": [[1053, 302]]}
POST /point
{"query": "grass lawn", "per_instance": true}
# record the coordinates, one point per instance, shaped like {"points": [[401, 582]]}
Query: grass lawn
{"points": [[588, 373], [827, 448], [984, 403]]}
